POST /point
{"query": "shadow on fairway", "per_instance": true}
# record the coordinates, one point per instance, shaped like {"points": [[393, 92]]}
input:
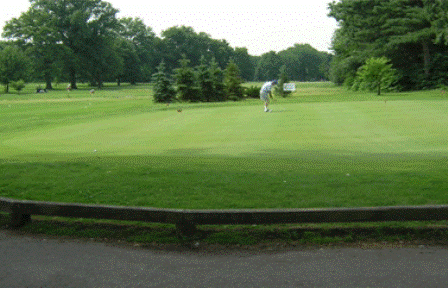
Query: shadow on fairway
{"points": [[272, 179]]}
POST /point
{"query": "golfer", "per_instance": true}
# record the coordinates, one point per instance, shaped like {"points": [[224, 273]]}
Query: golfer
{"points": [[266, 93]]}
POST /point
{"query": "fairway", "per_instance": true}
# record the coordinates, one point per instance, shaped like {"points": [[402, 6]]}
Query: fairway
{"points": [[347, 128], [303, 154]]}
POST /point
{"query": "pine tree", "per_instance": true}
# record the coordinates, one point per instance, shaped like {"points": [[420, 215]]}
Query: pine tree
{"points": [[216, 76], [204, 80], [185, 81], [232, 82], [375, 75], [408, 32], [283, 78], [163, 88]]}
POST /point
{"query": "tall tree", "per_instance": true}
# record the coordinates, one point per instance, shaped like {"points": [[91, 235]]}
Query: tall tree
{"points": [[303, 62], [411, 22], [439, 8], [268, 66], [233, 81], [83, 27], [184, 40], [145, 44], [14, 66], [178, 41], [204, 80], [245, 63], [163, 88], [403, 30], [127, 53], [104, 62], [186, 82], [34, 30], [217, 79]]}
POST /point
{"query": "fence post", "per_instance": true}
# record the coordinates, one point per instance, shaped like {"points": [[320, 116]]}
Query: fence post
{"points": [[18, 219], [185, 228]]}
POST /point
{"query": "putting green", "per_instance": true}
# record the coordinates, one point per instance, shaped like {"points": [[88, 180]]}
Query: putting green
{"points": [[291, 129], [227, 155]]}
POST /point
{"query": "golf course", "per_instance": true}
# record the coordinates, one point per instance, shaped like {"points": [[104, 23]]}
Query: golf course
{"points": [[321, 146]]}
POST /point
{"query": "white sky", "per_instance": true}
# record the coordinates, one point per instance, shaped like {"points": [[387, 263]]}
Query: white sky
{"points": [[251, 24]]}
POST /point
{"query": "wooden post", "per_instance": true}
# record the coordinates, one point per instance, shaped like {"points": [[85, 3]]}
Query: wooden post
{"points": [[18, 219], [185, 229]]}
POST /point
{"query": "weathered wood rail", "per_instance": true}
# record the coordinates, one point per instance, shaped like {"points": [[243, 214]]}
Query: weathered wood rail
{"points": [[186, 220]]}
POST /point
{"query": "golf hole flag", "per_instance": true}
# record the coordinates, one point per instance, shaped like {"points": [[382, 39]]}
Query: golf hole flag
{"points": [[289, 87]]}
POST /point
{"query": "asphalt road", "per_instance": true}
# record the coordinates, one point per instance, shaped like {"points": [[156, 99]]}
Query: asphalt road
{"points": [[40, 262]]}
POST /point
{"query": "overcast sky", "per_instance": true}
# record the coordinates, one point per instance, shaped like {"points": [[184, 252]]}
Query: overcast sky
{"points": [[256, 25]]}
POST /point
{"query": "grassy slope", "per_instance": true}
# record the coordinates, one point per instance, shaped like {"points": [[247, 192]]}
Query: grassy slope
{"points": [[320, 148]]}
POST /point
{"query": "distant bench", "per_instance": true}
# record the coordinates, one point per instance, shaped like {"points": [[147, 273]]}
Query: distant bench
{"points": [[186, 219]]}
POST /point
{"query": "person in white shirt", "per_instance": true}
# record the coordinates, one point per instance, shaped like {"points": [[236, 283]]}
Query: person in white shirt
{"points": [[266, 93]]}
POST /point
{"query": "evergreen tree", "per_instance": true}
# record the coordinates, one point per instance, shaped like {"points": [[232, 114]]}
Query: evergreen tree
{"points": [[376, 74], [439, 8], [163, 88], [408, 32], [216, 77], [411, 24], [205, 84], [282, 79], [232, 82], [185, 81]]}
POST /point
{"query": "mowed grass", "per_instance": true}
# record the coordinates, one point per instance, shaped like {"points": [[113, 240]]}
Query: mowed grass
{"points": [[321, 147]]}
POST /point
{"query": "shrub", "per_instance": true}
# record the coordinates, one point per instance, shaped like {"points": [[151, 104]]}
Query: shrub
{"points": [[18, 85], [376, 74], [252, 91]]}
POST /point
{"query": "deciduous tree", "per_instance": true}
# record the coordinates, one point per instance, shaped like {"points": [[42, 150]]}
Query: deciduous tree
{"points": [[14, 65], [83, 27]]}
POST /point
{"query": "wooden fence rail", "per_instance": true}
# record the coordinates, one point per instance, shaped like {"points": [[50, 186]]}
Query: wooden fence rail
{"points": [[186, 220]]}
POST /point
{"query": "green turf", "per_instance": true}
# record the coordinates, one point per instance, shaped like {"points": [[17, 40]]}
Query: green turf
{"points": [[321, 147]]}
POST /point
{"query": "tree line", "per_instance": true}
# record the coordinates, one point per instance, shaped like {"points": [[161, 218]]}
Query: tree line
{"points": [[84, 40], [410, 35]]}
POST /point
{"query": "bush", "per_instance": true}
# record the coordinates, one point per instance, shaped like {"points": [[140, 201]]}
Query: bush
{"points": [[18, 85], [252, 91], [376, 74]]}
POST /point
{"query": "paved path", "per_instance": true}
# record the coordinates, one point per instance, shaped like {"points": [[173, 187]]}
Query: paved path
{"points": [[39, 262]]}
